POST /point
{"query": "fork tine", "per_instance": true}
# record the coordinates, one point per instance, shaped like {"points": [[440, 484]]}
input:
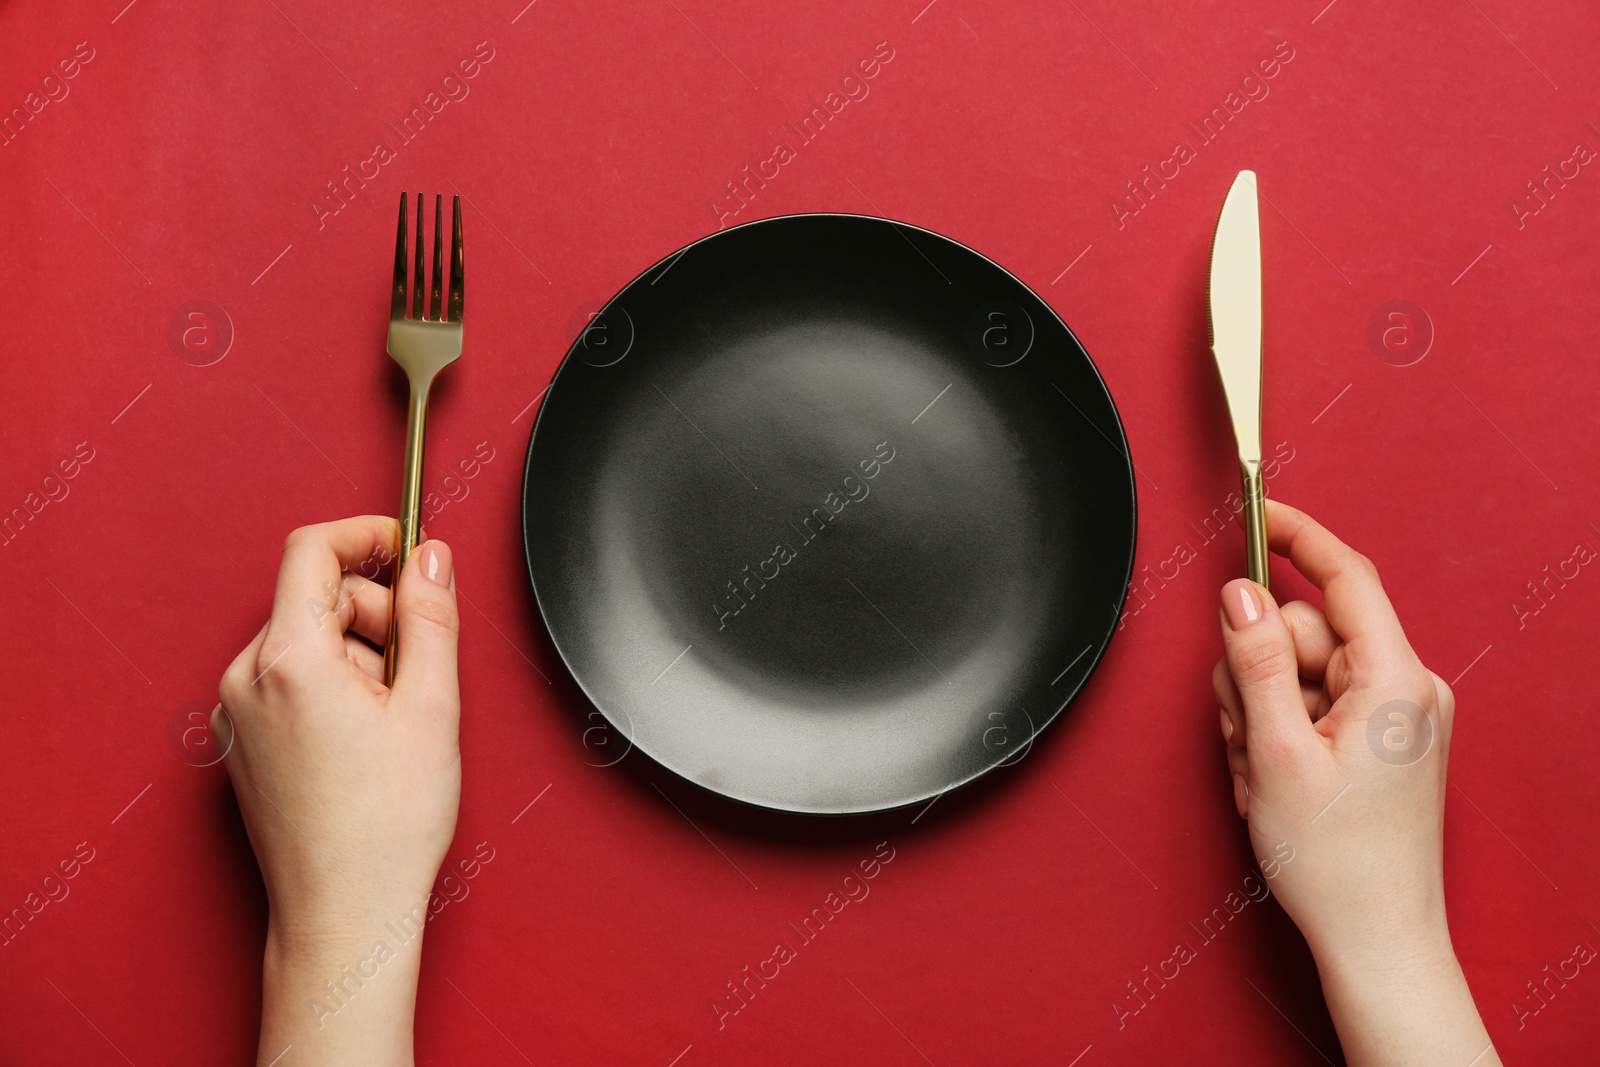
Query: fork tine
{"points": [[397, 301], [456, 291], [419, 283], [436, 294]]}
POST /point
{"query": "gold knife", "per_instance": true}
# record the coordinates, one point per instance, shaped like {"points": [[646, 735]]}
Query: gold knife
{"points": [[1236, 343]]}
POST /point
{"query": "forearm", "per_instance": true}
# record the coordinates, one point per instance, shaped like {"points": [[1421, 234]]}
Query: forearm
{"points": [[345, 996], [1409, 1007]]}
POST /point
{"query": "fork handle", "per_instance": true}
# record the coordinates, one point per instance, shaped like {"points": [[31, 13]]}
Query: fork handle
{"points": [[410, 510]]}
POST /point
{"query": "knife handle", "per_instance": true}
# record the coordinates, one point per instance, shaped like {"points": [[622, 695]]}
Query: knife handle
{"points": [[1255, 521]]}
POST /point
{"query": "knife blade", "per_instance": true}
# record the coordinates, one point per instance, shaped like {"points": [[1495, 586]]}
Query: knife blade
{"points": [[1235, 304]]}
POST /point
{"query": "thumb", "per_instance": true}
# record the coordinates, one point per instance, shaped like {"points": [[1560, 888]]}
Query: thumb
{"points": [[1261, 658], [428, 623]]}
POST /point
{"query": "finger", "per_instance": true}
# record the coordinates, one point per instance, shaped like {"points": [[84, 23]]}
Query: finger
{"points": [[1232, 708], [1239, 763], [1356, 607], [222, 735], [240, 675], [1239, 773], [1261, 661], [360, 606], [1447, 701], [1231, 722], [429, 626], [363, 608], [1338, 680], [1314, 639], [368, 660], [314, 560], [1316, 700]]}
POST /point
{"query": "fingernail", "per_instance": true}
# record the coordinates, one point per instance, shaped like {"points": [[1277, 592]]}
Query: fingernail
{"points": [[1227, 726], [1241, 796], [437, 564], [1240, 604]]}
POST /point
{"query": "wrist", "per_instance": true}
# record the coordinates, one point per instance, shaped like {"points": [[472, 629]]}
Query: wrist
{"points": [[306, 944], [342, 989], [1389, 976], [306, 927], [1386, 945], [1404, 1003], [1376, 965]]}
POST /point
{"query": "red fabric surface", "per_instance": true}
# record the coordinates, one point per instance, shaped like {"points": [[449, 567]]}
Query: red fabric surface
{"points": [[179, 164]]}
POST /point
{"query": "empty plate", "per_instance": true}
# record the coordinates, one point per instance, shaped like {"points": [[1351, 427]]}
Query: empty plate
{"points": [[829, 514]]}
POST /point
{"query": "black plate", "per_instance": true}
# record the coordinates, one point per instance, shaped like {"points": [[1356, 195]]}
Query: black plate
{"points": [[829, 514]]}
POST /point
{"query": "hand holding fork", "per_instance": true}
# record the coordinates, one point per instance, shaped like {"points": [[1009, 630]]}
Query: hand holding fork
{"points": [[423, 344]]}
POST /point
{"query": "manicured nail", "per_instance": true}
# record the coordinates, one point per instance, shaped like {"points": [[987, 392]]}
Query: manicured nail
{"points": [[437, 565], [1227, 726], [1240, 604], [1241, 796]]}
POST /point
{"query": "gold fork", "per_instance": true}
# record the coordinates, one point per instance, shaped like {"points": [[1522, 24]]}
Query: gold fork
{"points": [[423, 345]]}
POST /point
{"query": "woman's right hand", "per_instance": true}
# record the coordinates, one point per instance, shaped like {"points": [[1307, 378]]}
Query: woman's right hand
{"points": [[1337, 739]]}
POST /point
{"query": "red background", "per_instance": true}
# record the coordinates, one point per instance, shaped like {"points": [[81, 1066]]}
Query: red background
{"points": [[180, 167]]}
